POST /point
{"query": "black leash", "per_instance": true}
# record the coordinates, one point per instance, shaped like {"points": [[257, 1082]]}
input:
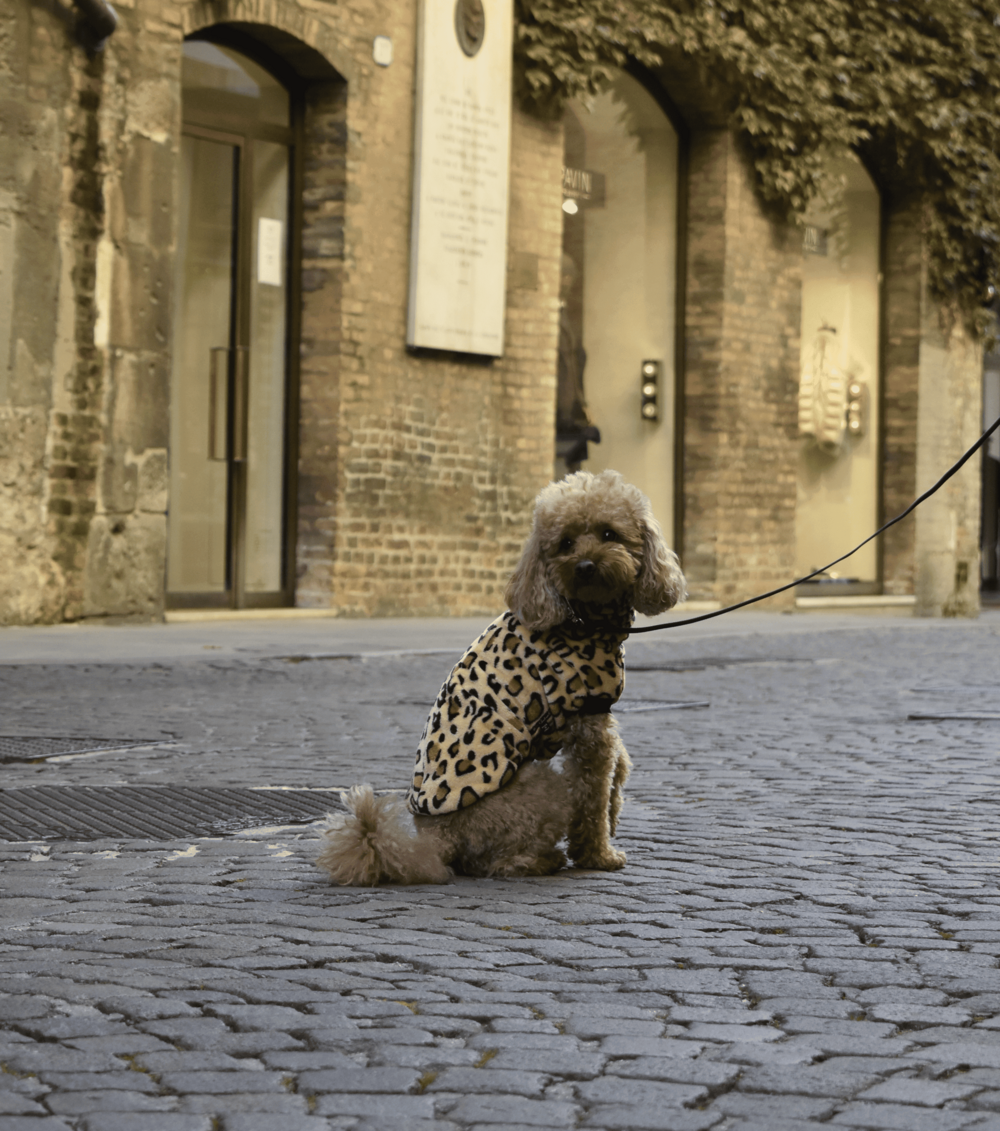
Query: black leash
{"points": [[791, 584]]}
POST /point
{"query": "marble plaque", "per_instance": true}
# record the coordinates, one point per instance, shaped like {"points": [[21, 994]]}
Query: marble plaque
{"points": [[461, 176]]}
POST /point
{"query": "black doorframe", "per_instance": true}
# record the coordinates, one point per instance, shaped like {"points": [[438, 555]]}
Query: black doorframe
{"points": [[989, 576]]}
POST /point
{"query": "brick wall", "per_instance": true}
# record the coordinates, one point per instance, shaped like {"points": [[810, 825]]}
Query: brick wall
{"points": [[416, 471], [122, 569], [741, 377], [900, 375], [91, 182], [324, 194], [442, 455], [932, 412], [39, 98]]}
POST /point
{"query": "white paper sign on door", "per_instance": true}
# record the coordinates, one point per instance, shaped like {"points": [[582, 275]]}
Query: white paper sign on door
{"points": [[269, 233]]}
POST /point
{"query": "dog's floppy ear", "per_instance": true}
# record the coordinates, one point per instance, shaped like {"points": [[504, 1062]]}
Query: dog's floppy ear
{"points": [[530, 596], [660, 584]]}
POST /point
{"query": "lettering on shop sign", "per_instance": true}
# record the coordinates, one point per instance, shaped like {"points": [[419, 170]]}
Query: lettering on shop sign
{"points": [[461, 175], [584, 185]]}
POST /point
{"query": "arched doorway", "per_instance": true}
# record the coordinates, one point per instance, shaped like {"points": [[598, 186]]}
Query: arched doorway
{"points": [[618, 302], [234, 287], [837, 503]]}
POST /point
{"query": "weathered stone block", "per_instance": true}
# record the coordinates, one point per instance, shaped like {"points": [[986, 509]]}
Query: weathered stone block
{"points": [[125, 561]]}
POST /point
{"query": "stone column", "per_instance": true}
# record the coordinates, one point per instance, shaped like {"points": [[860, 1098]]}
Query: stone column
{"points": [[742, 314], [946, 550], [901, 313], [137, 123]]}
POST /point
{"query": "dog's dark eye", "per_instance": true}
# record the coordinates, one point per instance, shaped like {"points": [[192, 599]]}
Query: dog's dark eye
{"points": [[566, 545], [609, 535]]}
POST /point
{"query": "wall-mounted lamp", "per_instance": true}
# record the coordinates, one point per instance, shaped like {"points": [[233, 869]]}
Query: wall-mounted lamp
{"points": [[650, 389], [97, 21], [857, 408]]}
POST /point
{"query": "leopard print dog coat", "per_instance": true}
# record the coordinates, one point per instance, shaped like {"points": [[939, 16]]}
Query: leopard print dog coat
{"points": [[509, 699]]}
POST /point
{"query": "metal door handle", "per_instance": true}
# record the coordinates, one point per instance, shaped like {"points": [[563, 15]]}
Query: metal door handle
{"points": [[218, 398], [241, 397]]}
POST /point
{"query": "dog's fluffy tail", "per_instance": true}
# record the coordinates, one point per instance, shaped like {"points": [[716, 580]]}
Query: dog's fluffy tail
{"points": [[378, 843]]}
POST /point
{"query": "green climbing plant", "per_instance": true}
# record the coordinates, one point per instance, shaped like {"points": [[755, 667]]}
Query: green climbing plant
{"points": [[912, 86]]}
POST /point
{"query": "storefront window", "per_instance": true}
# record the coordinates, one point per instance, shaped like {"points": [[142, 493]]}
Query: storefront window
{"points": [[618, 294], [837, 497]]}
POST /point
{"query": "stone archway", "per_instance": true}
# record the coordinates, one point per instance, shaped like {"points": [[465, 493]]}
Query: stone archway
{"points": [[309, 46], [313, 53]]}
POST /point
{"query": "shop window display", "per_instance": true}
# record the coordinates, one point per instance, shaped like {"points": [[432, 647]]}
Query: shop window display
{"points": [[618, 294], [837, 490]]}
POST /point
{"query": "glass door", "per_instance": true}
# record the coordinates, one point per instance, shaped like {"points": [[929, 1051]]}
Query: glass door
{"points": [[618, 293], [229, 393], [200, 426]]}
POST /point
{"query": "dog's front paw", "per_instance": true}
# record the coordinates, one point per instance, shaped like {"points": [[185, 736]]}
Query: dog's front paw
{"points": [[610, 860]]}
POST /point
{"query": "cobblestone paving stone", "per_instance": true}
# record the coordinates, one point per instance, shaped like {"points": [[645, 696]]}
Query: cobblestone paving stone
{"points": [[806, 933]]}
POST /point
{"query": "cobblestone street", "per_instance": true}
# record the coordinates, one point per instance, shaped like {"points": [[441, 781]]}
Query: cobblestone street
{"points": [[807, 931]]}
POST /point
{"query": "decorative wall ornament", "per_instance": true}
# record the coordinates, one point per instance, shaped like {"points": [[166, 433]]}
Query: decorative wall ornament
{"points": [[823, 395], [461, 175], [470, 25]]}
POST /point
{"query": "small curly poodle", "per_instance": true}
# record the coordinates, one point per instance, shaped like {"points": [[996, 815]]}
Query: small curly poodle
{"points": [[542, 678]]}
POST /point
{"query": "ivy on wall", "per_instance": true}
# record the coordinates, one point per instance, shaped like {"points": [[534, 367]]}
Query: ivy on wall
{"points": [[913, 86]]}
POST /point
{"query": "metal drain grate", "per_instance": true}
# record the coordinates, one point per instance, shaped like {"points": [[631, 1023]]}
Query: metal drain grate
{"points": [[656, 705], [956, 717], [29, 748], [152, 812]]}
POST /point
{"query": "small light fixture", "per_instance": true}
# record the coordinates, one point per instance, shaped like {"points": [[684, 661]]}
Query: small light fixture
{"points": [[857, 408], [570, 207], [97, 21], [650, 389], [382, 50]]}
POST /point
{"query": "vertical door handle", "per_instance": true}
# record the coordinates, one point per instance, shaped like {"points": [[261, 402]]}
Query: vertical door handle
{"points": [[241, 398], [218, 399]]}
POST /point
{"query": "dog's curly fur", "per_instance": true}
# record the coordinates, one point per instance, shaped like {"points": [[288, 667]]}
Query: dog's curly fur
{"points": [[593, 542]]}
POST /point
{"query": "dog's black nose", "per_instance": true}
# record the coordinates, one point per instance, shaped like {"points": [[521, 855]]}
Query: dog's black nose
{"points": [[585, 570]]}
